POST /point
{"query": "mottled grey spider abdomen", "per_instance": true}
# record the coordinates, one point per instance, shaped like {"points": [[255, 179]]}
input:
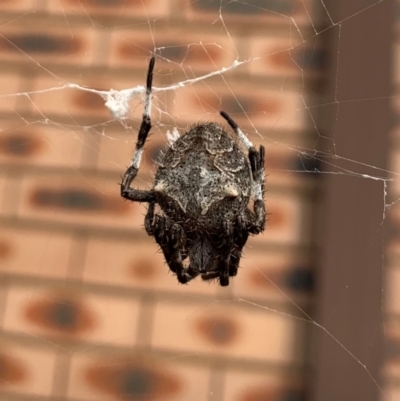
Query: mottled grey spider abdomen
{"points": [[203, 187], [204, 179]]}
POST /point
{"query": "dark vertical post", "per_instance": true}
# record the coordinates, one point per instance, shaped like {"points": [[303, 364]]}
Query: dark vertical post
{"points": [[349, 298]]}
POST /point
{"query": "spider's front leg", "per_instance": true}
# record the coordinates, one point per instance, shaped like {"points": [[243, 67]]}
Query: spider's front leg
{"points": [[138, 195]]}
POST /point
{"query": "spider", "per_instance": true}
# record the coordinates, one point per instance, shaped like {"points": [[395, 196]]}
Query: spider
{"points": [[203, 185]]}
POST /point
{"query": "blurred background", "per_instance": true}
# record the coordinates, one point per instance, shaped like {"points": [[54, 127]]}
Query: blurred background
{"points": [[88, 307]]}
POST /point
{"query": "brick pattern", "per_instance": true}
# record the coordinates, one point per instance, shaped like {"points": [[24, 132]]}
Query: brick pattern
{"points": [[85, 295]]}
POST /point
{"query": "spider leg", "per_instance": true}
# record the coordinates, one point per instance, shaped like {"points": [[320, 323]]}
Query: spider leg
{"points": [[243, 138], [172, 242], [226, 254], [149, 219], [177, 242], [242, 234], [160, 234], [257, 159], [127, 192]]}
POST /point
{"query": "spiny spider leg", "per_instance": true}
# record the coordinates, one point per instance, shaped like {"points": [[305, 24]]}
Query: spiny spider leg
{"points": [[149, 219], [172, 242], [127, 192], [241, 236], [257, 160], [160, 234], [243, 138], [177, 243], [225, 256]]}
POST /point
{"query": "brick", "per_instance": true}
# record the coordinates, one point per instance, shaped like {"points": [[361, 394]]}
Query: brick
{"points": [[227, 331], [250, 12], [40, 254], [396, 62], [285, 164], [286, 220], [178, 50], [241, 386], [99, 376], [10, 85], [136, 264], [17, 5], [117, 148], [391, 366], [392, 294], [21, 362], [62, 314], [55, 44], [391, 391], [249, 107], [286, 57], [3, 196], [119, 9], [274, 276], [394, 166], [69, 103], [80, 200], [41, 145]]}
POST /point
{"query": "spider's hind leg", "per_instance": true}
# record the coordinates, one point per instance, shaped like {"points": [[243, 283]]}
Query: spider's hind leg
{"points": [[126, 191]]}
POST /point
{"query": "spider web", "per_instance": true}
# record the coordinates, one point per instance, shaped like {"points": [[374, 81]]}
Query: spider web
{"points": [[72, 122]]}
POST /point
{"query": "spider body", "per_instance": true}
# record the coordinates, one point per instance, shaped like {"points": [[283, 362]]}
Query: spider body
{"points": [[203, 186], [204, 179]]}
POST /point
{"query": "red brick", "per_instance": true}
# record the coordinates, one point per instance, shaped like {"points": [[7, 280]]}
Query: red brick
{"points": [[79, 200], [117, 148], [392, 352], [18, 5], [41, 145], [285, 57], [241, 386], [10, 87], [250, 12], [137, 264], [286, 220], [266, 109], [55, 44], [21, 358], [71, 103], [271, 275], [179, 50], [116, 8], [112, 320], [227, 330], [392, 294], [3, 196], [41, 254], [188, 382]]}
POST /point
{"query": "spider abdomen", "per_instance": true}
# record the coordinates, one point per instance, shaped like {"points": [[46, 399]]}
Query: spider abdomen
{"points": [[204, 178]]}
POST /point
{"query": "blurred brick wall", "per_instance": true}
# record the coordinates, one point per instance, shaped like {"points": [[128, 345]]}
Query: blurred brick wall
{"points": [[88, 308]]}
